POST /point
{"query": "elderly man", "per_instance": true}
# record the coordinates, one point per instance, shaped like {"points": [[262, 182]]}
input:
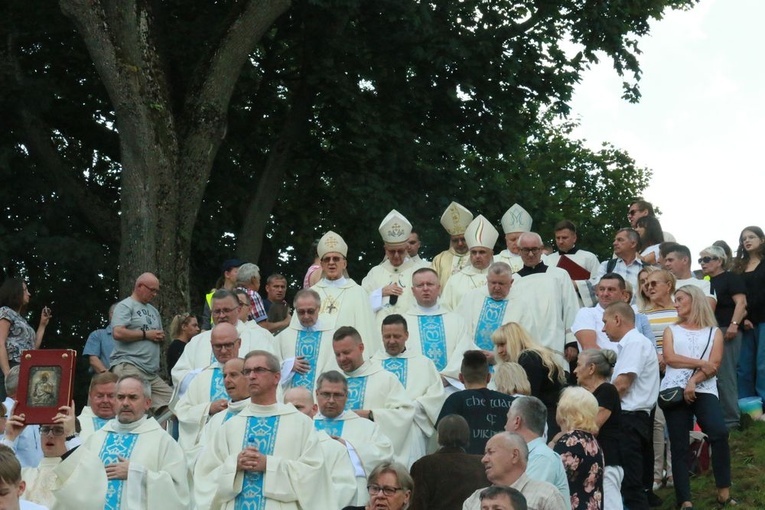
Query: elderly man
{"points": [[417, 374], [343, 301], [552, 302], [206, 394], [626, 261], [102, 404], [447, 477], [505, 460], [338, 468], [436, 332], [267, 456], [138, 334], [515, 222], [455, 220], [486, 309], [306, 345], [366, 445], [374, 393], [198, 353], [481, 236], [130, 464], [636, 377], [248, 278], [580, 265], [527, 417], [678, 262], [389, 284]]}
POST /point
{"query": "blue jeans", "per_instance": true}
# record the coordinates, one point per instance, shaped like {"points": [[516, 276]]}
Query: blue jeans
{"points": [[751, 363], [708, 412]]}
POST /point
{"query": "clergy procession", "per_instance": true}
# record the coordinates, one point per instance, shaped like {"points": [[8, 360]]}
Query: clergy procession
{"points": [[481, 380]]}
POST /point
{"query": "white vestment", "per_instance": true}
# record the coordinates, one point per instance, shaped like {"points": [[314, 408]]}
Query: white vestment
{"points": [[423, 386], [314, 344], [440, 335], [511, 259], [485, 315], [460, 284], [587, 261], [198, 352], [339, 471], [373, 388], [89, 422], [449, 262], [383, 275], [294, 465], [367, 446], [41, 481], [157, 476], [552, 306], [215, 422], [345, 303]]}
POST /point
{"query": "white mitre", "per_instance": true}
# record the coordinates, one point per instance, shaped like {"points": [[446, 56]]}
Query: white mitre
{"points": [[331, 242], [481, 233], [456, 219], [395, 228], [516, 219]]}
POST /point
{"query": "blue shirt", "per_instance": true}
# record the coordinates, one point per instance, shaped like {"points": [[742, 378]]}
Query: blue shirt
{"points": [[100, 343]]}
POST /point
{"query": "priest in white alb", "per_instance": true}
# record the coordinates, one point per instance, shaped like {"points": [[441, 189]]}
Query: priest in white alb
{"points": [[515, 221], [266, 457], [343, 301], [389, 284], [365, 443], [455, 219], [306, 345], [581, 265], [437, 333], [481, 236], [374, 393], [338, 467], [101, 404], [198, 353], [132, 463], [206, 394], [418, 375]]}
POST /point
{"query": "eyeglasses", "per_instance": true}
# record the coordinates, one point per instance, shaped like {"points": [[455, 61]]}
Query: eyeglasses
{"points": [[331, 396], [526, 251], [257, 371], [388, 491], [633, 212], [654, 283], [220, 347], [332, 259], [224, 311], [707, 260], [56, 431], [151, 289], [306, 311], [244, 304]]}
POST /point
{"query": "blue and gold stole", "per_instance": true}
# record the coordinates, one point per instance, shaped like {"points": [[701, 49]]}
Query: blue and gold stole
{"points": [[260, 432], [433, 339], [98, 423], [115, 446], [357, 387], [217, 388], [398, 367], [331, 426], [307, 345], [492, 314]]}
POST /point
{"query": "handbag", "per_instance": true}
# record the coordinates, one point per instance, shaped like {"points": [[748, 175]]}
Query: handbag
{"points": [[672, 397]]}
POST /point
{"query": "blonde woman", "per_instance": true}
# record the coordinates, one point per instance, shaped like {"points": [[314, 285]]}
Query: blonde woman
{"points": [[543, 367], [578, 448], [183, 328], [510, 378]]}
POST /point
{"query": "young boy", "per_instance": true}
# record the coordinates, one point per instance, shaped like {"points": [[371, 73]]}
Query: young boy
{"points": [[11, 484]]}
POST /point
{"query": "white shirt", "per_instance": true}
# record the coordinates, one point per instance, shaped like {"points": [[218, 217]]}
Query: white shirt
{"points": [[592, 319], [704, 285], [637, 355]]}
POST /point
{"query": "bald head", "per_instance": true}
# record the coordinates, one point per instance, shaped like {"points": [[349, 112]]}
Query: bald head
{"points": [[146, 288], [225, 342], [234, 381], [302, 399]]}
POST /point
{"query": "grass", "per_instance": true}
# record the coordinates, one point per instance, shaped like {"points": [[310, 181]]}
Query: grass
{"points": [[747, 452]]}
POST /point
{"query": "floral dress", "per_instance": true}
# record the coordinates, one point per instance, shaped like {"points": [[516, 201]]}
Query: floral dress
{"points": [[21, 336], [583, 460]]}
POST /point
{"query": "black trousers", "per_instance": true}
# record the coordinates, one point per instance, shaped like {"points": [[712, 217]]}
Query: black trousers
{"points": [[637, 458]]}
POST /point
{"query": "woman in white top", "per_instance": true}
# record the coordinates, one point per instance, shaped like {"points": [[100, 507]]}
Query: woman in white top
{"points": [[693, 349]]}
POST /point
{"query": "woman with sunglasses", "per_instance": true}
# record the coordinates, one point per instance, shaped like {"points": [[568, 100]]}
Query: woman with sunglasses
{"points": [[730, 290], [748, 264]]}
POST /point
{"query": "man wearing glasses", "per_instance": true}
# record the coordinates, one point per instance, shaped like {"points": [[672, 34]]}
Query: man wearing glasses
{"points": [[138, 334], [206, 395], [551, 300], [366, 444], [266, 456], [198, 353], [343, 301], [641, 208]]}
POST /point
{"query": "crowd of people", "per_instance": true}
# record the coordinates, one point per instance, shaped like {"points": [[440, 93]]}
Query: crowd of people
{"points": [[522, 379]]}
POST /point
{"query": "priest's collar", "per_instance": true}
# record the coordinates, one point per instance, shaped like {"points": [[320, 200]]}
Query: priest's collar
{"points": [[125, 428], [336, 283], [319, 416], [538, 269], [316, 326], [569, 252], [429, 309]]}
